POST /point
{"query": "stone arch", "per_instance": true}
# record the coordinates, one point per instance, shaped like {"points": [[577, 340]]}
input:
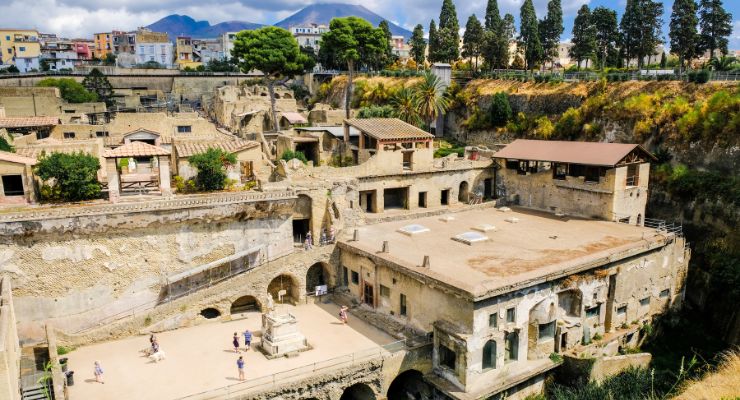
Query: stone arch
{"points": [[287, 96], [358, 391], [284, 282], [277, 96], [210, 313], [409, 384], [463, 195], [318, 274], [489, 355], [245, 304]]}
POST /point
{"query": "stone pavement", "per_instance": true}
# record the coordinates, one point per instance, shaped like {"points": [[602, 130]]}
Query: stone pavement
{"points": [[202, 358]]}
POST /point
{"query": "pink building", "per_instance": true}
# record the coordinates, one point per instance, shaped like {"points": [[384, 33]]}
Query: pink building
{"points": [[84, 49]]}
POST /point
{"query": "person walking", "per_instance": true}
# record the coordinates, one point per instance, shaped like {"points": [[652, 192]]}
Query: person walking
{"points": [[240, 366], [247, 339], [235, 342], [98, 372], [343, 314]]}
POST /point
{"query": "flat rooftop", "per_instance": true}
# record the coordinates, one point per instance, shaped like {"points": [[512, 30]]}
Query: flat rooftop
{"points": [[490, 255], [202, 359]]}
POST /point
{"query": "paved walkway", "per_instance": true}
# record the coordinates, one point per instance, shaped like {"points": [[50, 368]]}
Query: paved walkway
{"points": [[202, 358]]}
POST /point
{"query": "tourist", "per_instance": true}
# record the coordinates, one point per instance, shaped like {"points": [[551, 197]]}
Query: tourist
{"points": [[247, 339], [155, 346], [343, 314], [307, 244], [331, 234], [309, 238], [322, 241], [236, 342], [98, 372], [240, 366], [152, 339]]}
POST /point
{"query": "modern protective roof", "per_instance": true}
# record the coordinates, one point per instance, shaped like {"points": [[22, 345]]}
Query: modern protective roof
{"points": [[136, 149], [336, 131], [388, 129], [588, 153], [294, 117], [28, 122], [188, 148], [15, 158]]}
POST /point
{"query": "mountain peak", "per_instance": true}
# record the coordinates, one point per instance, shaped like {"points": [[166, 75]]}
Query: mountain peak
{"points": [[184, 25], [323, 13]]}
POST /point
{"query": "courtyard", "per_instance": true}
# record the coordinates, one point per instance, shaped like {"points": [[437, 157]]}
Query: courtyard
{"points": [[201, 359]]}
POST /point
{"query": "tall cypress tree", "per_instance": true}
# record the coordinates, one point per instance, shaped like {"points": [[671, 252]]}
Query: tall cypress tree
{"points": [[683, 34], [418, 45], [448, 34], [529, 36], [607, 33], [493, 18], [715, 24], [473, 40], [584, 36], [508, 33], [433, 53], [629, 27], [550, 30], [650, 29], [387, 57]]}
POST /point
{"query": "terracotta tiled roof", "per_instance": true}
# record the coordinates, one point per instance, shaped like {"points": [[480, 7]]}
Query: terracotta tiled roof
{"points": [[28, 122], [16, 158], [136, 149], [187, 148], [388, 129], [587, 153], [294, 117]]}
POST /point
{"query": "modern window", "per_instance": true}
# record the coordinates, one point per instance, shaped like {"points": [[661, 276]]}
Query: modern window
{"points": [[512, 346], [184, 129], [12, 185], [511, 315], [355, 278], [447, 357], [593, 311], [402, 310], [493, 320], [546, 331], [489, 355], [385, 291]]}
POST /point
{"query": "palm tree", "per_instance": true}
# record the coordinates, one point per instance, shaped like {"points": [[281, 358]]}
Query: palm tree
{"points": [[430, 98], [403, 102], [723, 63]]}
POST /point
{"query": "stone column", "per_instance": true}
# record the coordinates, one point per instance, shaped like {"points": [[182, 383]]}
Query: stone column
{"points": [[164, 176], [114, 186]]}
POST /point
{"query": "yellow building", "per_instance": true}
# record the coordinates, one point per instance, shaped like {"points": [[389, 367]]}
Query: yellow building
{"points": [[20, 47], [103, 44], [185, 57]]}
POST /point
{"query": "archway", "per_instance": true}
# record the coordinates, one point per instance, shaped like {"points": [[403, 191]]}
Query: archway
{"points": [[245, 304], [318, 274], [463, 195], [489, 355], [302, 213], [210, 313], [358, 391], [409, 385], [287, 283]]}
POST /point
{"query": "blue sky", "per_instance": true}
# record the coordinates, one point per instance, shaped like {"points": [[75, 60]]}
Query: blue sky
{"points": [[81, 18]]}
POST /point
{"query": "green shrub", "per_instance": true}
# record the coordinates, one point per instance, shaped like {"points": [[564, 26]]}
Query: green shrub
{"points": [[376, 112], [68, 177], [555, 357], [211, 166], [5, 146], [70, 90], [500, 110], [289, 155]]}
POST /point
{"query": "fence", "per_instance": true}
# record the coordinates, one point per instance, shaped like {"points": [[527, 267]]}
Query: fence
{"points": [[664, 226], [588, 76], [243, 390]]}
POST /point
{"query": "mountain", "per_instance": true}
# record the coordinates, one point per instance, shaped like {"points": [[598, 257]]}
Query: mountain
{"points": [[323, 13], [183, 25]]}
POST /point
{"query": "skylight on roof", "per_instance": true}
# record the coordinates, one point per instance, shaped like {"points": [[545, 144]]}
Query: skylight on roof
{"points": [[484, 228], [470, 238], [413, 229]]}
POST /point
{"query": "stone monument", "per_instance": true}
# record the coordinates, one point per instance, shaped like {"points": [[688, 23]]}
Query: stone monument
{"points": [[280, 334]]}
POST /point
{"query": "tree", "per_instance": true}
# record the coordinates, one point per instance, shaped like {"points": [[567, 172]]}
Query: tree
{"points": [[5, 146], [550, 30], [70, 90], [225, 65], [96, 82], [508, 33], [13, 69], [684, 37], [715, 24], [211, 166], [517, 62], [496, 37], [529, 36], [500, 109], [109, 59], [418, 45], [273, 51], [430, 98], [387, 58], [448, 35], [473, 40], [68, 177], [723, 63], [404, 105], [584, 36], [651, 26], [433, 42], [493, 18], [607, 33], [353, 42], [663, 60]]}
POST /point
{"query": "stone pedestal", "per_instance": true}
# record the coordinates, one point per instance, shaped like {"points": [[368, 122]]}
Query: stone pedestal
{"points": [[280, 335]]}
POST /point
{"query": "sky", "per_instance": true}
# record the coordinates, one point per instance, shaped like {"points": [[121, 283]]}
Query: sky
{"points": [[82, 18]]}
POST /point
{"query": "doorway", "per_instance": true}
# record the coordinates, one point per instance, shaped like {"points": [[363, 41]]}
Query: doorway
{"points": [[12, 185], [300, 229], [422, 199], [395, 198], [367, 201], [488, 188], [369, 297], [445, 197]]}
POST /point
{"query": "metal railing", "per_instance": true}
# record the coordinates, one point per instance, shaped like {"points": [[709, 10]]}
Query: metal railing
{"points": [[663, 226], [245, 389]]}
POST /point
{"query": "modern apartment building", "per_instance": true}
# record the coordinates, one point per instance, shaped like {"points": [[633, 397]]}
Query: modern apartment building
{"points": [[309, 36], [20, 47]]}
